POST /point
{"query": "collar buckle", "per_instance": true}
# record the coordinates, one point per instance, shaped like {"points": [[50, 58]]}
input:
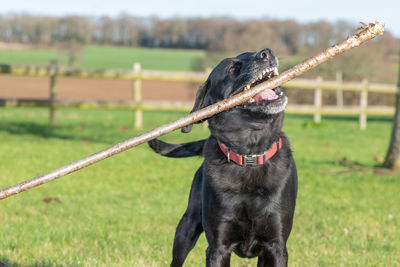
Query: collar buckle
{"points": [[252, 160]]}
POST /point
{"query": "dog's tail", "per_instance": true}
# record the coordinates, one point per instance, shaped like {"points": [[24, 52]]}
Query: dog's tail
{"points": [[178, 150]]}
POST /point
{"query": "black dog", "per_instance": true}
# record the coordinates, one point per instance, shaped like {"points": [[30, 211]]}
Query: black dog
{"points": [[244, 194]]}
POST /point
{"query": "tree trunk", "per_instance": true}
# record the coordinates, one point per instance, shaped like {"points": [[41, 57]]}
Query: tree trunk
{"points": [[392, 160]]}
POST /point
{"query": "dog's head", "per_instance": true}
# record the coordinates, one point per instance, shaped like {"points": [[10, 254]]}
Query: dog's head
{"points": [[234, 75]]}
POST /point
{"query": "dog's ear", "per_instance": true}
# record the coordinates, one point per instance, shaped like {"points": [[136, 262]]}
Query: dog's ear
{"points": [[199, 103]]}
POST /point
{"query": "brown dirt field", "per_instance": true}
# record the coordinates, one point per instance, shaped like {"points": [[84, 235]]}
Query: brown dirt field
{"points": [[102, 89], [95, 89]]}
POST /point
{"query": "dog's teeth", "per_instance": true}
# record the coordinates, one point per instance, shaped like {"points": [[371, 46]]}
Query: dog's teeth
{"points": [[263, 73], [281, 93], [260, 77], [276, 71], [247, 87], [251, 100]]}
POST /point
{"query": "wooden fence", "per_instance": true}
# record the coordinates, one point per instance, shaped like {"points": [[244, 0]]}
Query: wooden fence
{"points": [[136, 75]]}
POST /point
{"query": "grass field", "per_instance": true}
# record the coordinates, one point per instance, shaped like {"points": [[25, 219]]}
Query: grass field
{"points": [[123, 211], [110, 57], [119, 57]]}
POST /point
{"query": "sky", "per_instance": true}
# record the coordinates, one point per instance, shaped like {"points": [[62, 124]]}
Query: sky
{"points": [[386, 12]]}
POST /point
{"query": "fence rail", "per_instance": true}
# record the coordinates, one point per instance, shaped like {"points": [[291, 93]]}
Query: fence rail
{"points": [[136, 75]]}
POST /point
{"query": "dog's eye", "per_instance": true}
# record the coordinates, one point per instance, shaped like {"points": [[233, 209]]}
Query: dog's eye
{"points": [[231, 69]]}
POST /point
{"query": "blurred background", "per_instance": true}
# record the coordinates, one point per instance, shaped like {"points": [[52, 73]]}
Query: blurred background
{"points": [[79, 76], [188, 36]]}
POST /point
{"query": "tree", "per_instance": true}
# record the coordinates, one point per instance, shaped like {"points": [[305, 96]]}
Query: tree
{"points": [[392, 160]]}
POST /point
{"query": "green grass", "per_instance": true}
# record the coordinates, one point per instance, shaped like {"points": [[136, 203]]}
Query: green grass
{"points": [[395, 68], [123, 211], [36, 56], [109, 57]]}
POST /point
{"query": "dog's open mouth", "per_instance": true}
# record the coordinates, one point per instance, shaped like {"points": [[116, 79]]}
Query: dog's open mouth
{"points": [[267, 96]]}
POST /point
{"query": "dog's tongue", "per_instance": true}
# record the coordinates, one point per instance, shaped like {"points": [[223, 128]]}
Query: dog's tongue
{"points": [[268, 94]]}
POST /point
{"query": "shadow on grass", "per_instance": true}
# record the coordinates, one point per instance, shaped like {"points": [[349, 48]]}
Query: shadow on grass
{"points": [[106, 133], [79, 132], [27, 128], [377, 169], [344, 162], [354, 118], [349, 166], [6, 263]]}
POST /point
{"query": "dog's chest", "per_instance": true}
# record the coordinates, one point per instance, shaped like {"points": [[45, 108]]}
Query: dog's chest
{"points": [[249, 207], [251, 225]]}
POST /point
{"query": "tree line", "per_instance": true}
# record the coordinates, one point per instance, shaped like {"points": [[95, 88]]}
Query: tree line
{"points": [[212, 34], [217, 35]]}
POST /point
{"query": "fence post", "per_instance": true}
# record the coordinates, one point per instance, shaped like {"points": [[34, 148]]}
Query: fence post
{"points": [[53, 92], [339, 92], [363, 104], [318, 100], [137, 96]]}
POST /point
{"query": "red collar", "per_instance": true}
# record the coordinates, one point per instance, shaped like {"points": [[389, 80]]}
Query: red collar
{"points": [[251, 160]]}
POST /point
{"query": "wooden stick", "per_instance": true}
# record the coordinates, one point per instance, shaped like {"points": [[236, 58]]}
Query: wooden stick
{"points": [[362, 36]]}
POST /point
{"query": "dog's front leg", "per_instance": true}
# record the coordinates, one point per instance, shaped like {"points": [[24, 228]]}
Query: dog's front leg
{"points": [[189, 227], [187, 233], [218, 257]]}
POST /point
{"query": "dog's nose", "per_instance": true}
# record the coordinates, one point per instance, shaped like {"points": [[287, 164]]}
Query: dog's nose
{"points": [[265, 54]]}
